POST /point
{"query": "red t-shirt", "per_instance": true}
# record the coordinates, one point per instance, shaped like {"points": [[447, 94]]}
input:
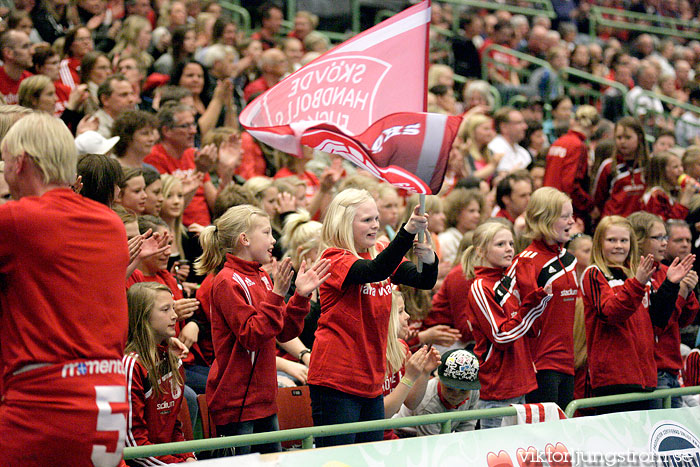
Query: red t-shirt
{"points": [[253, 161], [259, 85], [198, 210], [350, 347], [9, 87], [63, 262]]}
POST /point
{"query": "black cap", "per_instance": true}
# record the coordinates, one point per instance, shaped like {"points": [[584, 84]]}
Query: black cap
{"points": [[459, 369]]}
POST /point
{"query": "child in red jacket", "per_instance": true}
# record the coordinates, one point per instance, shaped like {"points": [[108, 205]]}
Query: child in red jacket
{"points": [[155, 376], [651, 236], [620, 312], [500, 320], [549, 219], [664, 197], [247, 314]]}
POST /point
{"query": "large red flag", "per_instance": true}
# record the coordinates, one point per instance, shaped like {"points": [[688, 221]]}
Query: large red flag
{"points": [[364, 100]]}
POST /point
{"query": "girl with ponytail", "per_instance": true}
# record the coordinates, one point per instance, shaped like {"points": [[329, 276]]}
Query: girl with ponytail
{"points": [[499, 320], [247, 314]]}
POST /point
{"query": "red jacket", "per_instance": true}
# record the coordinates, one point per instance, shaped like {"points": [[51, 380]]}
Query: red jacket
{"points": [[619, 335], [449, 304], [567, 170], [197, 211], [246, 318], [538, 265], [499, 322], [657, 201], [153, 420], [619, 194], [667, 351]]}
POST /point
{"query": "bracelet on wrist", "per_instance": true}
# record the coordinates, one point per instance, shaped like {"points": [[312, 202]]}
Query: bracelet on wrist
{"points": [[302, 353], [405, 380]]}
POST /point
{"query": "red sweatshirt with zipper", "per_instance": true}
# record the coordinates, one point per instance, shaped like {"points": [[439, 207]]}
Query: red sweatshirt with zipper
{"points": [[246, 318], [500, 322], [538, 265]]}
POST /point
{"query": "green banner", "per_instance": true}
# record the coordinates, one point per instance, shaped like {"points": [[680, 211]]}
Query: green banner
{"points": [[650, 438]]}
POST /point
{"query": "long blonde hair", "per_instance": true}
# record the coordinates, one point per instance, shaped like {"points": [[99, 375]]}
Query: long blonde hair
{"points": [[337, 226], [597, 257], [395, 353], [221, 238], [169, 184], [481, 239], [300, 236], [141, 298]]}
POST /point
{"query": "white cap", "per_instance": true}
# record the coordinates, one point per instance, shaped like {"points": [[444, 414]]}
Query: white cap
{"points": [[91, 142]]}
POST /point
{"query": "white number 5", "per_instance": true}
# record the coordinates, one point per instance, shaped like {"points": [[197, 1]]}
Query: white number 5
{"points": [[107, 421]]}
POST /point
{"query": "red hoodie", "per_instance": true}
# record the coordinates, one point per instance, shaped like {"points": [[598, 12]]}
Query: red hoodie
{"points": [[567, 170]]}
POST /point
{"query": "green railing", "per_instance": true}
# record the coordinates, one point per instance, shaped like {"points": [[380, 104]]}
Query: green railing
{"points": [[564, 73], [444, 419], [666, 115], [665, 394], [307, 434], [597, 17], [237, 12]]}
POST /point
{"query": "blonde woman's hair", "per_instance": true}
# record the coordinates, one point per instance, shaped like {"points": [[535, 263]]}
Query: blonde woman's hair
{"points": [[587, 116], [49, 144], [597, 258], [128, 35], [31, 88], [468, 132], [337, 225], [221, 238], [542, 212], [9, 114], [435, 72], [300, 236], [395, 353], [170, 183], [655, 174], [141, 298], [257, 186], [481, 239], [642, 222]]}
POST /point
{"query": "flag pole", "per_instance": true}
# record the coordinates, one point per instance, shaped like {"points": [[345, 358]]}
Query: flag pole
{"points": [[421, 234]]}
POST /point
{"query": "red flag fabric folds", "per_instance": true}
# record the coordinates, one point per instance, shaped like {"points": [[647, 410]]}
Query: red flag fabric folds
{"points": [[364, 101]]}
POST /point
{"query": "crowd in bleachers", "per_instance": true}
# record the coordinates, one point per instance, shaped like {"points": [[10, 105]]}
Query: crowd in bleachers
{"points": [[559, 253]]}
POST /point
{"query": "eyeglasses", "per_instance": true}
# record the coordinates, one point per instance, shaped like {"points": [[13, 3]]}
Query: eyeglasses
{"points": [[660, 238], [186, 125]]}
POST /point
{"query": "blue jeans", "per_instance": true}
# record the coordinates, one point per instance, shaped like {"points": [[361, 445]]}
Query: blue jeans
{"points": [[667, 381], [196, 377], [486, 423], [260, 425], [330, 407], [191, 399]]}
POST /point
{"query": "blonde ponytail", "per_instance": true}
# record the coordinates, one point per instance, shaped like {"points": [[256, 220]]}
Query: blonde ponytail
{"points": [[221, 238]]}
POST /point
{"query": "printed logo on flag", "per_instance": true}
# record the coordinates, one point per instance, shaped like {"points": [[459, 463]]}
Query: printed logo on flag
{"points": [[339, 91]]}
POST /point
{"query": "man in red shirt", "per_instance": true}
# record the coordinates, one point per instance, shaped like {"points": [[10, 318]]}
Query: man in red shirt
{"points": [[63, 326], [513, 194], [176, 154], [15, 49], [272, 17], [273, 64]]}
